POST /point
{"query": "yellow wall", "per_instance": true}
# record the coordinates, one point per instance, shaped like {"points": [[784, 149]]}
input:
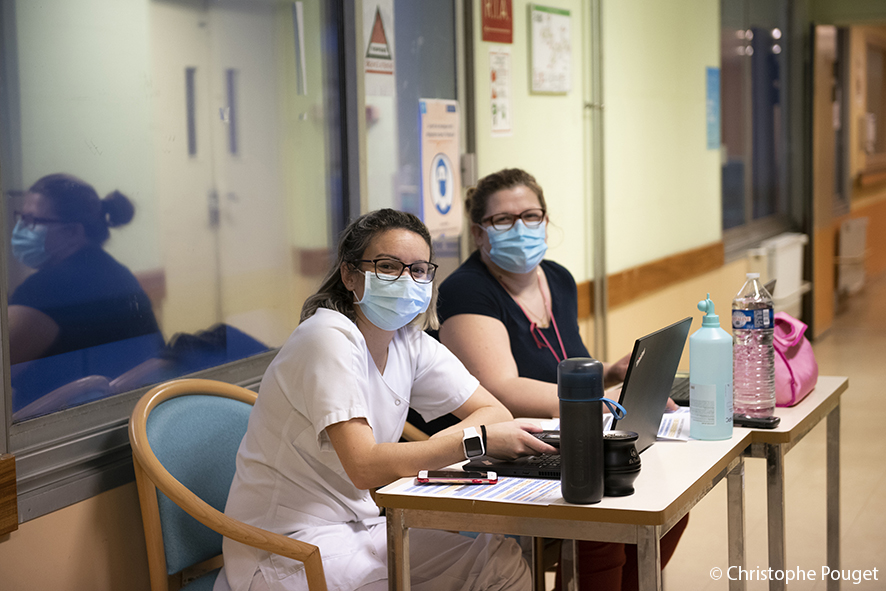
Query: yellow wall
{"points": [[662, 183], [95, 545], [673, 303], [548, 137]]}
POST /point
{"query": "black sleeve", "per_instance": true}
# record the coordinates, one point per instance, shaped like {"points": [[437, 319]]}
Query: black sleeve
{"points": [[467, 292], [39, 291]]}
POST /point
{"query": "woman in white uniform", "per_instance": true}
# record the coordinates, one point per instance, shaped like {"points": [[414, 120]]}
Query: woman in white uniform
{"points": [[329, 414]]}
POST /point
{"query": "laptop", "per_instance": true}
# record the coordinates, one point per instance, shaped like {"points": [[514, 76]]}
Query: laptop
{"points": [[648, 381], [644, 395]]}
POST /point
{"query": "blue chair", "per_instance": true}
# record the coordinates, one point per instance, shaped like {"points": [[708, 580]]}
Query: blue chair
{"points": [[185, 435]]}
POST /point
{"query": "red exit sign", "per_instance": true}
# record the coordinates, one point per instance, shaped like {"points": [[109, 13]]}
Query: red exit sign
{"points": [[497, 21]]}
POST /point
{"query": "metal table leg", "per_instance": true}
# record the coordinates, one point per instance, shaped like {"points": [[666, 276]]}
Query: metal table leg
{"points": [[398, 551], [569, 565], [649, 557], [775, 512], [736, 523], [833, 499], [538, 564]]}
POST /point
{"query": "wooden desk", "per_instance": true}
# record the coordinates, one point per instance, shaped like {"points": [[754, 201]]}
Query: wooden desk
{"points": [[773, 444], [674, 477]]}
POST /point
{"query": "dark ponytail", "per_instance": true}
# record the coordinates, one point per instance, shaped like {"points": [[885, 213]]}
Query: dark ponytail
{"points": [[117, 209], [75, 201]]}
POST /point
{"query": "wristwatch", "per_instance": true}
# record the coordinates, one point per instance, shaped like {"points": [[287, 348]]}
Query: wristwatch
{"points": [[473, 443]]}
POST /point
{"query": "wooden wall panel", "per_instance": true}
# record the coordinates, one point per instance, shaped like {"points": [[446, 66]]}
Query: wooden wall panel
{"points": [[875, 259], [585, 300], [8, 498], [634, 283], [823, 278], [645, 279]]}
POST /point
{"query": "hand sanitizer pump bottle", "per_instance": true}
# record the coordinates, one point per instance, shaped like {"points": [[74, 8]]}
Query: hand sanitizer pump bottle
{"points": [[710, 378]]}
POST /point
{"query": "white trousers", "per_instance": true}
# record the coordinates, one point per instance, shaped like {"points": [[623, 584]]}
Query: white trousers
{"points": [[443, 561]]}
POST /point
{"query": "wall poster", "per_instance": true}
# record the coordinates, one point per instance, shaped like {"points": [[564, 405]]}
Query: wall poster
{"points": [[497, 21], [378, 35], [551, 46], [500, 91], [712, 107], [441, 175]]}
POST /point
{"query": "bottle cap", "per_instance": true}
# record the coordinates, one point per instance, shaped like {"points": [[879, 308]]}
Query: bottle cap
{"points": [[707, 306], [580, 379], [753, 275]]}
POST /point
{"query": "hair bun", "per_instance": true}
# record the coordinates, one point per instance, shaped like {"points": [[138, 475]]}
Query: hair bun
{"points": [[117, 209]]}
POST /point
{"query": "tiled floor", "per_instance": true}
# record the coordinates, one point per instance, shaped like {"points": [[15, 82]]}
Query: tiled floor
{"points": [[854, 347]]}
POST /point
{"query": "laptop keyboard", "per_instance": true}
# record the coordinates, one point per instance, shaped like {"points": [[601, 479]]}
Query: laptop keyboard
{"points": [[546, 465], [680, 390]]}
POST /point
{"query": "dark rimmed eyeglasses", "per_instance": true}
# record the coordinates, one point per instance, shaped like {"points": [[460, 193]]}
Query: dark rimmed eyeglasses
{"points": [[391, 269], [532, 218], [29, 221]]}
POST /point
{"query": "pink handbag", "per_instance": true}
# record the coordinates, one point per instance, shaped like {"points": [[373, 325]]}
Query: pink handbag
{"points": [[796, 371]]}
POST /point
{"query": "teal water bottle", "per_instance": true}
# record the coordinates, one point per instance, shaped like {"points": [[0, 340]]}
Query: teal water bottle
{"points": [[710, 378]]}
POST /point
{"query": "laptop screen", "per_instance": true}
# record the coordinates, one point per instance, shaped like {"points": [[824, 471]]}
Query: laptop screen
{"points": [[648, 381]]}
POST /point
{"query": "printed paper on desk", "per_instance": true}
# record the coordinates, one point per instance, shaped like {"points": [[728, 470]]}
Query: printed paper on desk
{"points": [[674, 425], [530, 491]]}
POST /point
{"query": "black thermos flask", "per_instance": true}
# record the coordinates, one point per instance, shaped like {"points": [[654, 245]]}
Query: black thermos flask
{"points": [[580, 388]]}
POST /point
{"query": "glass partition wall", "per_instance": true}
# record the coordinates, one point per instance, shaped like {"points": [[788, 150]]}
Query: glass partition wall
{"points": [[754, 57], [217, 124], [172, 182]]}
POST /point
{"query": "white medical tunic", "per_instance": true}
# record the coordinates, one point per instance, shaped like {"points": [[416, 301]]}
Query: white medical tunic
{"points": [[289, 479]]}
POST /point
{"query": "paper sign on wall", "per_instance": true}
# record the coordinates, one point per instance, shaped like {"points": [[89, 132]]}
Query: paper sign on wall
{"points": [[500, 91], [378, 34], [551, 49], [441, 177], [497, 21], [712, 108]]}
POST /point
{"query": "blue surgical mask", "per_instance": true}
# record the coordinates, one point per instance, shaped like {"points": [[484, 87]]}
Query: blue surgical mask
{"points": [[518, 249], [390, 305], [29, 245]]}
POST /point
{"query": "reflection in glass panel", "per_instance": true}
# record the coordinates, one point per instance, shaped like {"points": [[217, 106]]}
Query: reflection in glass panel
{"points": [[753, 52], [769, 195], [733, 103], [421, 33], [173, 169]]}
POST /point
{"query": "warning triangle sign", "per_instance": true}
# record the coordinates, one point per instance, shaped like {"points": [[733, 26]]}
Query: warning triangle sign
{"points": [[378, 42]]}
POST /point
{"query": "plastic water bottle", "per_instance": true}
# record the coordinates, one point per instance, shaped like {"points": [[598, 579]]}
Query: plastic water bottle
{"points": [[710, 378], [580, 389], [753, 364]]}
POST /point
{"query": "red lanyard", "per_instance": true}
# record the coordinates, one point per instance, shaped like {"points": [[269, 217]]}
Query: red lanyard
{"points": [[533, 327]]}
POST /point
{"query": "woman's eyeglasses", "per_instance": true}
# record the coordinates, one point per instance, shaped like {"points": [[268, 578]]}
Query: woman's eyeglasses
{"points": [[29, 221], [392, 269], [532, 218]]}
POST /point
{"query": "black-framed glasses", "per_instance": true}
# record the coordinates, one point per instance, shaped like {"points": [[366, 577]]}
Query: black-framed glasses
{"points": [[391, 269], [29, 221], [532, 218]]}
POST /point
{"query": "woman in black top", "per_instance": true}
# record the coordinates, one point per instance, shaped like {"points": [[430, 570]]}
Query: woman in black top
{"points": [[511, 317], [80, 297], [507, 313]]}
